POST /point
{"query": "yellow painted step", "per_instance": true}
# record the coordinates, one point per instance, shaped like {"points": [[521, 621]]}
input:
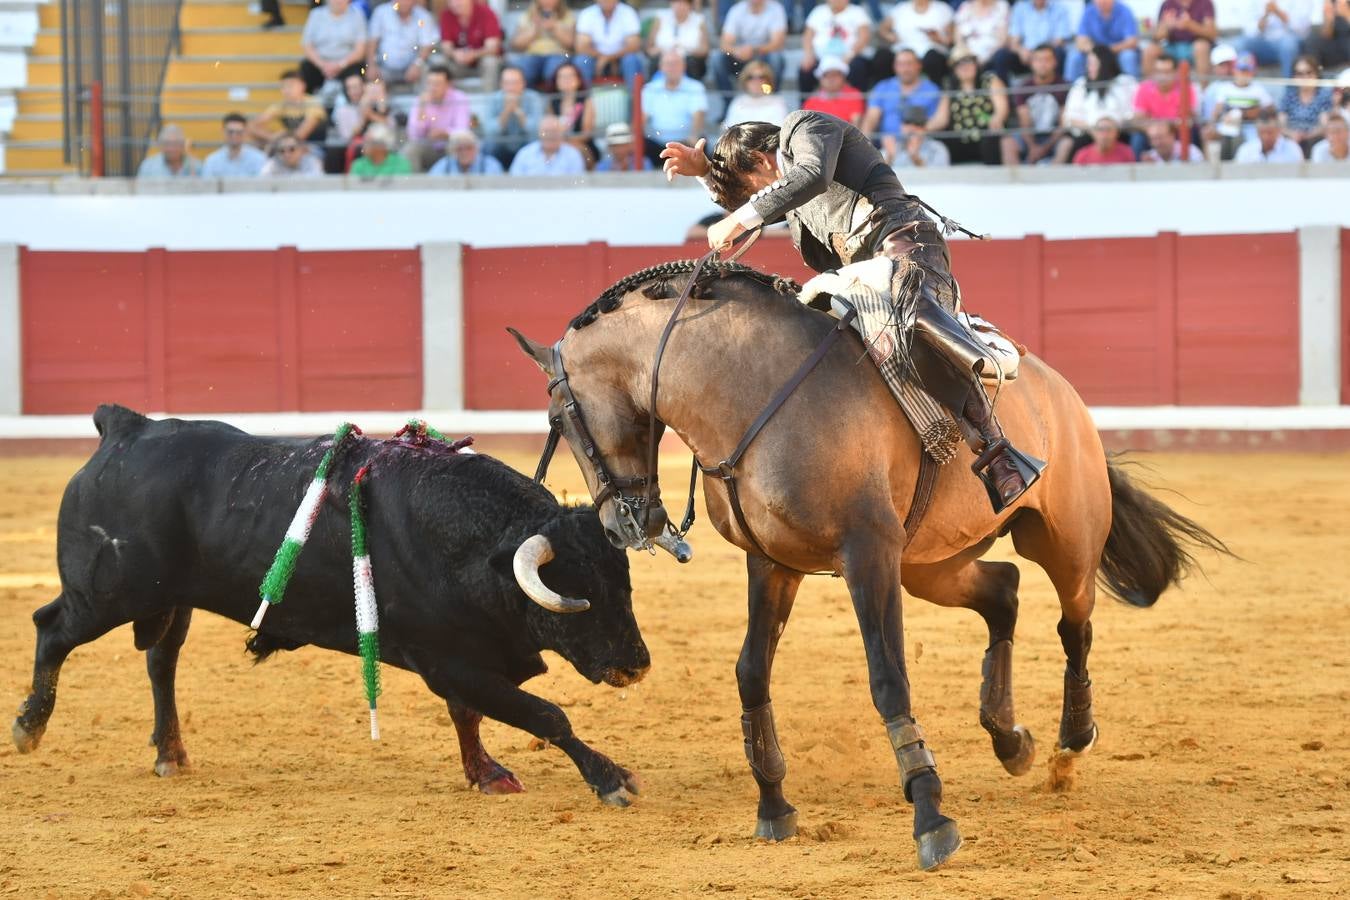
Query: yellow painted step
{"points": [[46, 129], [205, 70], [48, 43], [20, 159], [49, 15], [243, 42], [39, 102], [188, 103], [220, 15], [44, 70]]}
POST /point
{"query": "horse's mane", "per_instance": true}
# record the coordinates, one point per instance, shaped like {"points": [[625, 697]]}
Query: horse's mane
{"points": [[656, 283]]}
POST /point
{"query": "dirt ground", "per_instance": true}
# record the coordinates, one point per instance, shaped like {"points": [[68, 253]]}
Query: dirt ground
{"points": [[1223, 768]]}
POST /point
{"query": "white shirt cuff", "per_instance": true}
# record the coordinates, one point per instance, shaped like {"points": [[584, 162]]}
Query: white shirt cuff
{"points": [[748, 218]]}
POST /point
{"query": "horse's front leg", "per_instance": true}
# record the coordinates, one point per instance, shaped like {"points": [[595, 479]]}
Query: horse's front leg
{"points": [[772, 590], [871, 564]]}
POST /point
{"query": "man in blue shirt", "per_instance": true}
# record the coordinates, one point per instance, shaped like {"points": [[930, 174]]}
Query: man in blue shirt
{"points": [[673, 107], [549, 155], [1105, 22], [888, 101], [235, 158], [464, 157], [1034, 23]]}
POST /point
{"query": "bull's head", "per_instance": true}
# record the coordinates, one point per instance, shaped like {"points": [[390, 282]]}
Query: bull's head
{"points": [[582, 597]]}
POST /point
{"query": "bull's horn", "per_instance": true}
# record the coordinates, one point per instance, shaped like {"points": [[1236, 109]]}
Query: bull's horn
{"points": [[535, 552]]}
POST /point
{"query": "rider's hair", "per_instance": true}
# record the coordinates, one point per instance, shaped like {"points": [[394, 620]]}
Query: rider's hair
{"points": [[735, 157]]}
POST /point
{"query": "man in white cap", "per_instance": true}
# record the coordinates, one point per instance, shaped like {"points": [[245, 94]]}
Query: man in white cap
{"points": [[835, 95], [619, 152]]}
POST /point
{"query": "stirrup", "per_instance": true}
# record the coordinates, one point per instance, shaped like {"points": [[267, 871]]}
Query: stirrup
{"points": [[1029, 467]]}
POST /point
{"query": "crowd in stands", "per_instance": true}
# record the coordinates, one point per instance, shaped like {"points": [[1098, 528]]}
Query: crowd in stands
{"points": [[390, 88]]}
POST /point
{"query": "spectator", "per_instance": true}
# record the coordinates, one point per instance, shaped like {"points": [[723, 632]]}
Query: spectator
{"points": [[1160, 96], [1038, 101], [975, 107], [544, 37], [1304, 106], [680, 28], [334, 41], [609, 42], [1106, 147], [1236, 105], [439, 110], [674, 107], [1221, 62], [1185, 31], [982, 28], [549, 155], [297, 114], [292, 159], [754, 30], [924, 27], [235, 158], [889, 99], [471, 42], [571, 101], [1275, 29], [1335, 147], [1340, 94], [272, 9], [837, 29], [834, 95], [1103, 91], [1034, 24], [402, 36], [1109, 24], [918, 150], [512, 116], [620, 151], [1329, 43], [172, 160], [757, 101], [1269, 146], [360, 106], [377, 157], [465, 157], [1165, 145]]}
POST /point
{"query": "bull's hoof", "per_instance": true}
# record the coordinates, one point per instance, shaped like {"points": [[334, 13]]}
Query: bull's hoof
{"points": [[622, 796], [937, 846], [779, 829], [1078, 744], [1019, 762], [26, 741], [502, 782]]}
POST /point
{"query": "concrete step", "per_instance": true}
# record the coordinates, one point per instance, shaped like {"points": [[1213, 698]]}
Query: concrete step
{"points": [[189, 100], [39, 100], [44, 70], [48, 42], [49, 15], [22, 158], [45, 127], [220, 15], [228, 70], [225, 42]]}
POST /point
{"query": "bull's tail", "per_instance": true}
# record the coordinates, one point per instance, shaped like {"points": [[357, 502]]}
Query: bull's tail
{"points": [[1149, 546], [112, 420]]}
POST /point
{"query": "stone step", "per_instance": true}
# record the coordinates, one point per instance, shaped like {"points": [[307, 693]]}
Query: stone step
{"points": [[227, 70], [226, 42]]}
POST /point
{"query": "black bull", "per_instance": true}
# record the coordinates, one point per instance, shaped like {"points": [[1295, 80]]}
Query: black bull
{"points": [[170, 516]]}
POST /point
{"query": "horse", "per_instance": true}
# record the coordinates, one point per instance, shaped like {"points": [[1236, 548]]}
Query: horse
{"points": [[827, 484]]}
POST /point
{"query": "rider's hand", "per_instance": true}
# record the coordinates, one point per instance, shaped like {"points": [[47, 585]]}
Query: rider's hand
{"points": [[722, 234], [681, 159]]}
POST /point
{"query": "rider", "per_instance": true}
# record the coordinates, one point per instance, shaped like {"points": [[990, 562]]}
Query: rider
{"points": [[844, 204]]}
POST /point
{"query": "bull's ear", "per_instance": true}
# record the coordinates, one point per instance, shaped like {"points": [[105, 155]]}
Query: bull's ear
{"points": [[542, 356]]}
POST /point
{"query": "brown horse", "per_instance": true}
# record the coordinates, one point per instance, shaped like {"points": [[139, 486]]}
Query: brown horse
{"points": [[827, 485]]}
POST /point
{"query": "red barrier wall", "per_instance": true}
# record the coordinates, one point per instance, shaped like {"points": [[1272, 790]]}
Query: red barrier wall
{"points": [[221, 332], [1131, 321]]}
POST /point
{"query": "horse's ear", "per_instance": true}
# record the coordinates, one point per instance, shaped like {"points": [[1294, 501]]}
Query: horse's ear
{"points": [[542, 356]]}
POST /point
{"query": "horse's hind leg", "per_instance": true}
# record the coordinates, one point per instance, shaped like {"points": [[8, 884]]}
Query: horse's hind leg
{"points": [[1071, 562], [161, 663], [772, 591], [990, 589], [871, 564]]}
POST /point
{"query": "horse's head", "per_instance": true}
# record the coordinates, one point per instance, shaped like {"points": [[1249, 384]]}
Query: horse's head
{"points": [[610, 436]]}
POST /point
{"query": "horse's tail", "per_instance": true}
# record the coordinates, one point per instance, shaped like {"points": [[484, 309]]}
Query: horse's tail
{"points": [[1149, 545]]}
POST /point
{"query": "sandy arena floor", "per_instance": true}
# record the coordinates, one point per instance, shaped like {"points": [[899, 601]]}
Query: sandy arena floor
{"points": [[1223, 769]]}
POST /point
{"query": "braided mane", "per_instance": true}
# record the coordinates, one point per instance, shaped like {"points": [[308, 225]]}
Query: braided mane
{"points": [[655, 282]]}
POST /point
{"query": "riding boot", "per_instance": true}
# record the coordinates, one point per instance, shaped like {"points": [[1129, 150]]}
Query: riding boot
{"points": [[948, 361]]}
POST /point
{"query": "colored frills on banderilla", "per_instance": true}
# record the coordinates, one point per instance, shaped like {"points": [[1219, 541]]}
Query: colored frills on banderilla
{"points": [[367, 615]]}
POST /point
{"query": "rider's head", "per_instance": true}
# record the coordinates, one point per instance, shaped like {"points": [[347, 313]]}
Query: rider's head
{"points": [[746, 159]]}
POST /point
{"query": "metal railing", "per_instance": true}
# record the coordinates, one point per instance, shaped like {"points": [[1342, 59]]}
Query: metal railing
{"points": [[114, 54]]}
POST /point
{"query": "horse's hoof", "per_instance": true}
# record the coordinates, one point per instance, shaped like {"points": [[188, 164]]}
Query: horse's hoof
{"points": [[501, 783], [937, 846], [1020, 762], [618, 797], [26, 741], [167, 768], [1068, 748], [779, 829]]}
